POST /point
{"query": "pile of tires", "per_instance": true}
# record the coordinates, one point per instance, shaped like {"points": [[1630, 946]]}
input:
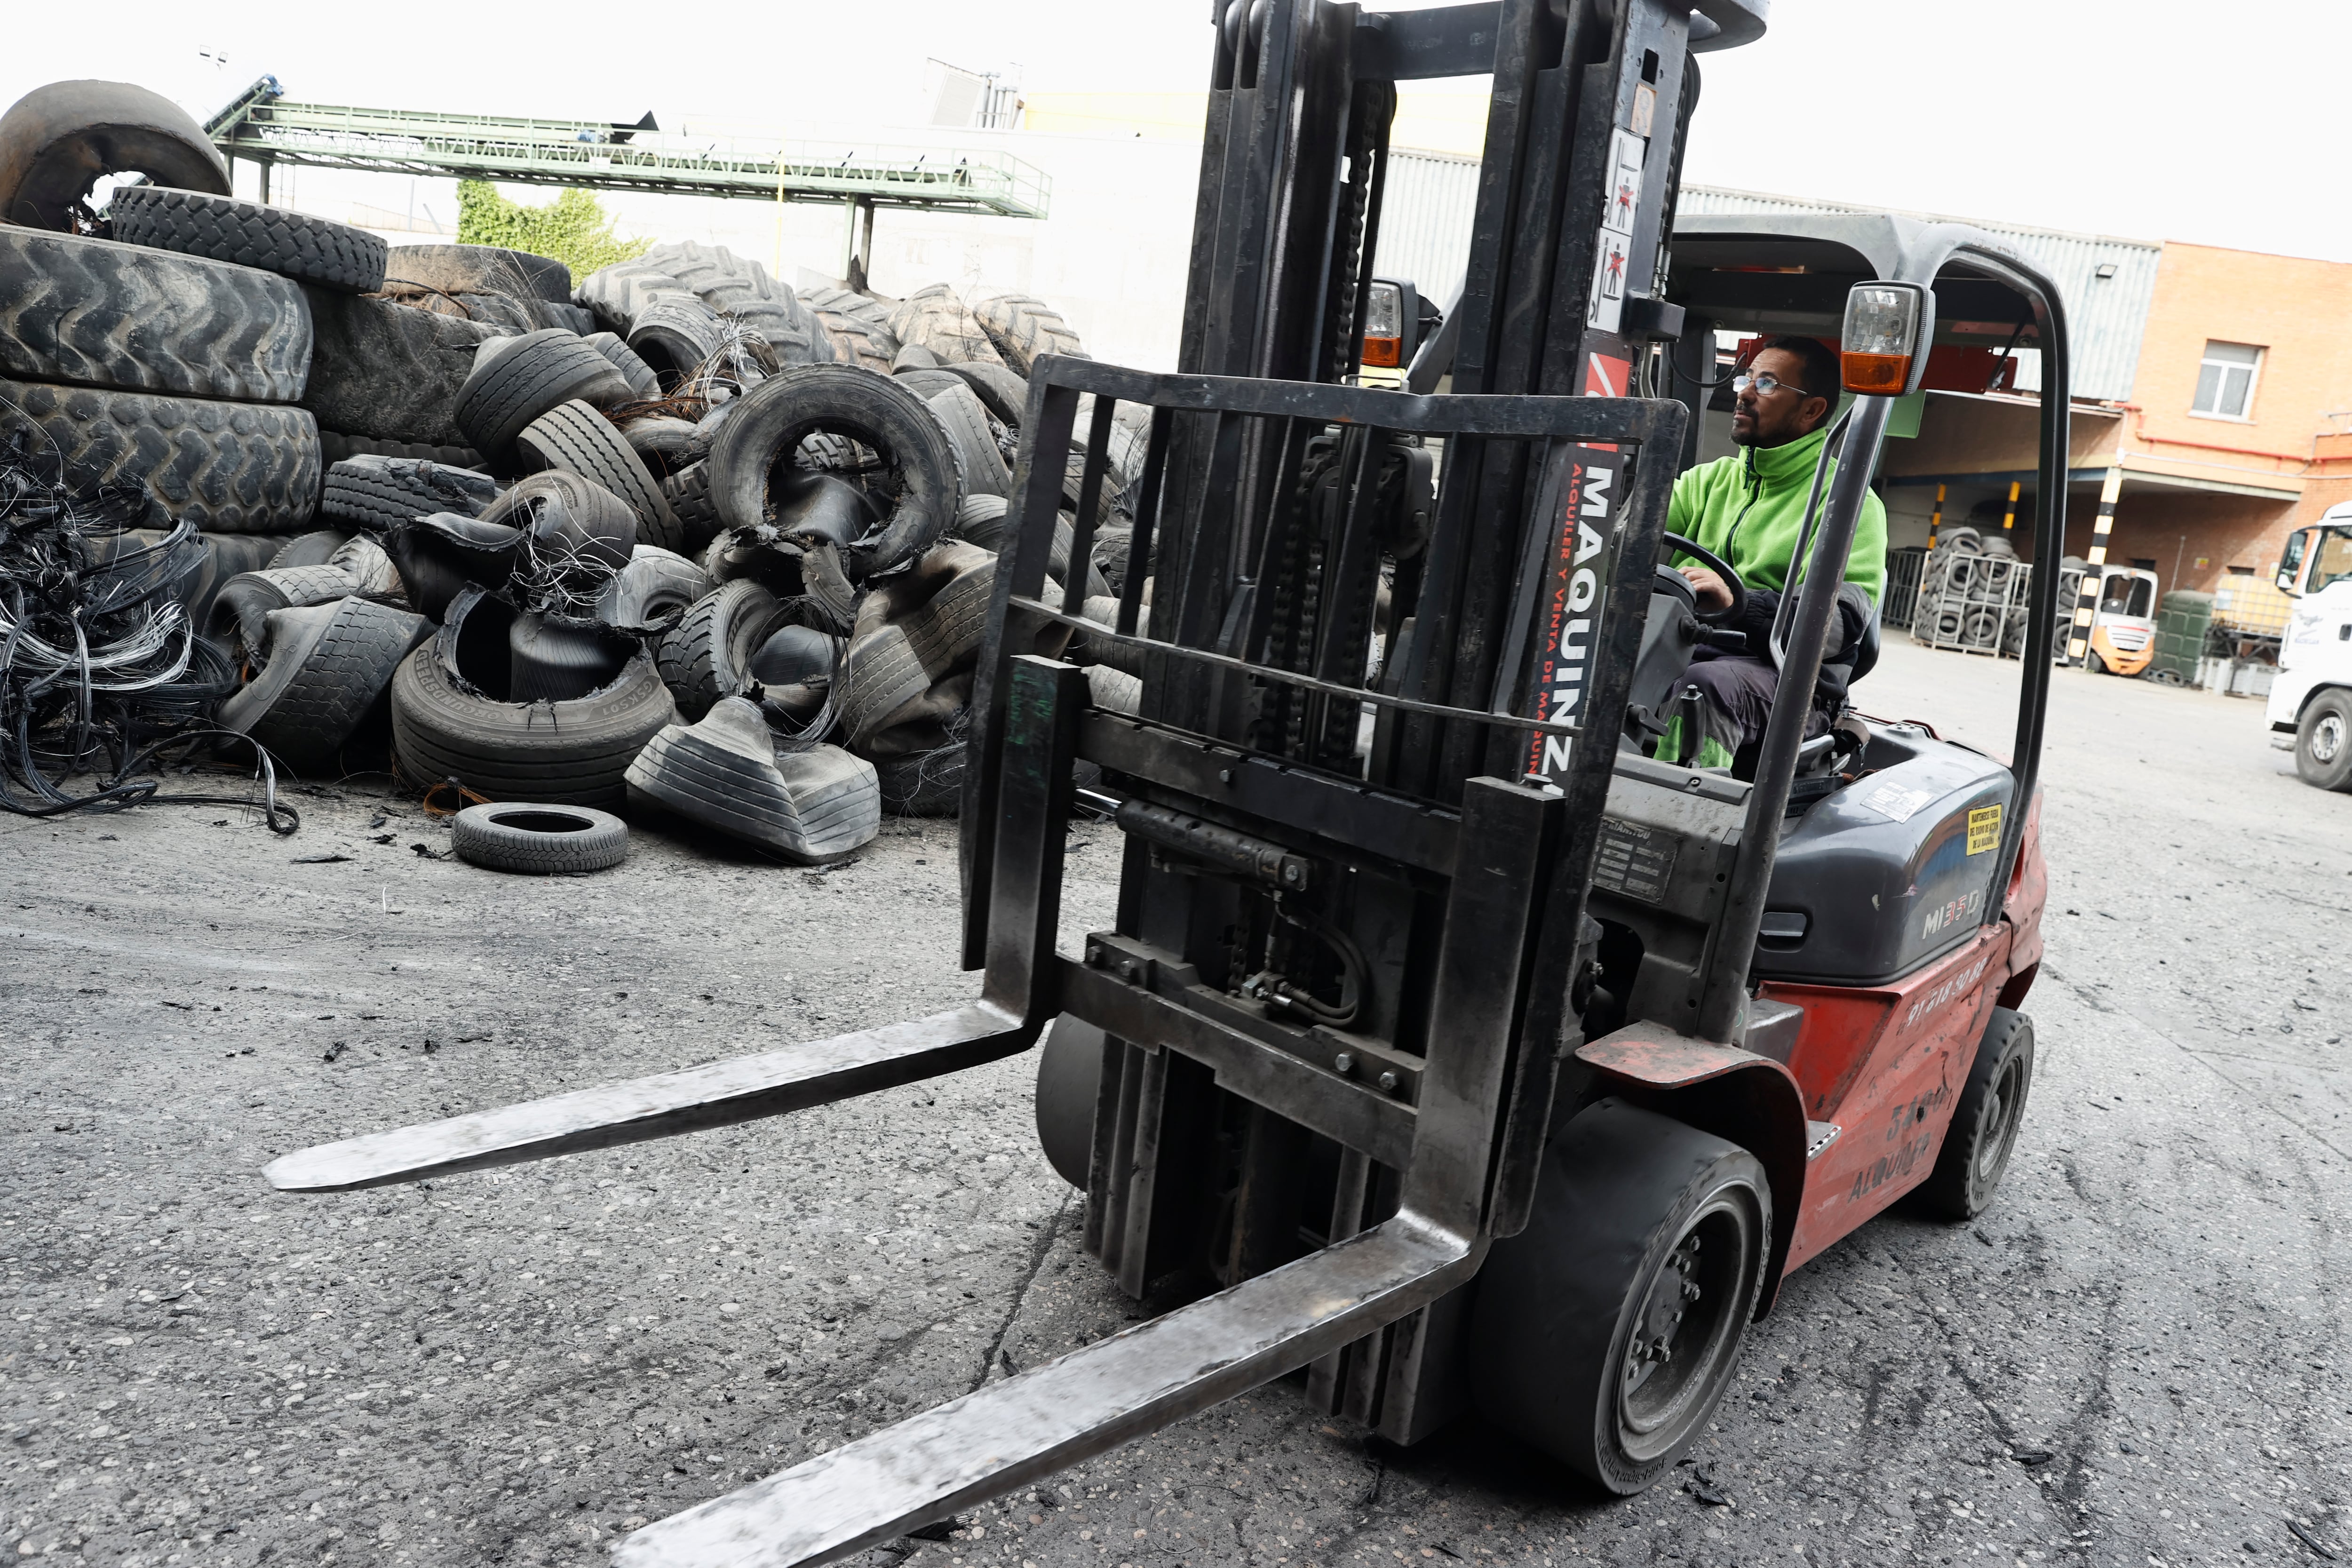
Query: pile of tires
{"points": [[673, 538]]}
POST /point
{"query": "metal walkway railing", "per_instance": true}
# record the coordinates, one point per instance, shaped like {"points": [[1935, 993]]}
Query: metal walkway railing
{"points": [[264, 125]]}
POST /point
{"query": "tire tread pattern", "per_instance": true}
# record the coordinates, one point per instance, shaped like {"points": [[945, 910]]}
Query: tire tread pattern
{"points": [[228, 467], [272, 239], [91, 312]]}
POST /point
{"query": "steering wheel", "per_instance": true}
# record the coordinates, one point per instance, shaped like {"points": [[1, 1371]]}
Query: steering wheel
{"points": [[1722, 569]]}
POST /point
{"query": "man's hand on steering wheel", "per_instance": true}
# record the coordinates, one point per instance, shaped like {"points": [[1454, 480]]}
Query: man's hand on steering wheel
{"points": [[1713, 593]]}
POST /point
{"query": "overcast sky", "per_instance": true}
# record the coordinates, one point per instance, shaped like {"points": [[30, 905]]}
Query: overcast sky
{"points": [[2129, 118]]}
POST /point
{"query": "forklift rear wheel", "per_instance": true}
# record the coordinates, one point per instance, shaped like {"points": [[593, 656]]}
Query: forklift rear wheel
{"points": [[1607, 1331], [2323, 742], [1984, 1127], [1069, 1078], [2093, 663]]}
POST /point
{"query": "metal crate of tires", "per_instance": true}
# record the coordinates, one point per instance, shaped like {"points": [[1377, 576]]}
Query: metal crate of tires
{"points": [[1973, 596]]}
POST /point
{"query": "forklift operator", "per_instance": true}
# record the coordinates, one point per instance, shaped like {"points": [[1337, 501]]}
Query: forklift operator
{"points": [[1749, 509]]}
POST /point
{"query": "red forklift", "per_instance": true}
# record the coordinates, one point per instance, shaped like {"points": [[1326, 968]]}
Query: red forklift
{"points": [[1469, 1058]]}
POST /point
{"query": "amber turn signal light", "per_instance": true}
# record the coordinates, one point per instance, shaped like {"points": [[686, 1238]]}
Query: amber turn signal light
{"points": [[1883, 351], [1876, 375]]}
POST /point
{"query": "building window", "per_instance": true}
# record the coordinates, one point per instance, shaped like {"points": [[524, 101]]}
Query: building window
{"points": [[2225, 381]]}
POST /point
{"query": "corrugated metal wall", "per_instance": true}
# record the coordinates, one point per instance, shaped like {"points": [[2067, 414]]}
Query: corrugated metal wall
{"points": [[1426, 208], [1426, 211], [2104, 316]]}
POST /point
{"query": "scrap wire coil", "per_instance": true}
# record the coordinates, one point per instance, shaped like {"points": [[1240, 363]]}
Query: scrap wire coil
{"points": [[101, 671]]}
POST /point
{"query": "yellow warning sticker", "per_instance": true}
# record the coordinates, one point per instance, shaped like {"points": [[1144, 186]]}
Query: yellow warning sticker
{"points": [[1984, 829]]}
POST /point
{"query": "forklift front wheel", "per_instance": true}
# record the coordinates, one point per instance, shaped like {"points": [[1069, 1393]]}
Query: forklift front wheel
{"points": [[1608, 1329], [1984, 1127]]}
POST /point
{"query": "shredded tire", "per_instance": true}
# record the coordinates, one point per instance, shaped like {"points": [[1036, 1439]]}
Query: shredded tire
{"points": [[774, 418], [58, 141], [812, 805], [327, 670], [273, 239]]}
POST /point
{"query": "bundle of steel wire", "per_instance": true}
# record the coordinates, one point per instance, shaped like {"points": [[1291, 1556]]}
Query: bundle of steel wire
{"points": [[103, 680]]}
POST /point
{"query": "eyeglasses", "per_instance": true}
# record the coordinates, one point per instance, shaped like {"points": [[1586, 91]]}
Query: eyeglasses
{"points": [[1764, 384]]}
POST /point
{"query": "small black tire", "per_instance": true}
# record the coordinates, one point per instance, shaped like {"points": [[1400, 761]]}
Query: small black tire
{"points": [[270, 239], [58, 141], [373, 493], [89, 313], [705, 656], [2323, 742], [574, 753], [575, 438], [1983, 1131], [538, 840], [228, 467], [1026, 329], [774, 417], [478, 269], [2093, 663], [1646, 1234], [389, 372], [544, 370], [1069, 1082]]}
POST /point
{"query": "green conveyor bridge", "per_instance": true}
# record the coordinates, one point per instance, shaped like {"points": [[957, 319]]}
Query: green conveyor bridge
{"points": [[265, 126]]}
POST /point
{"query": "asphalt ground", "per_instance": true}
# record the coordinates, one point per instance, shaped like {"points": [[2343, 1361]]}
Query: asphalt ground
{"points": [[2134, 1357]]}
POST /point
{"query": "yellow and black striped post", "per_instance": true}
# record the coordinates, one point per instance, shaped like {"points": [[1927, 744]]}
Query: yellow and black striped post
{"points": [[2078, 640], [1936, 518], [2008, 518]]}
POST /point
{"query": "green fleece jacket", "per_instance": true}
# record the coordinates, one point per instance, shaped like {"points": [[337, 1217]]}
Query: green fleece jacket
{"points": [[1747, 509]]}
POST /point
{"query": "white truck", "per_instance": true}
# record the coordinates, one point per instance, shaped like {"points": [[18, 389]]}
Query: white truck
{"points": [[2311, 702]]}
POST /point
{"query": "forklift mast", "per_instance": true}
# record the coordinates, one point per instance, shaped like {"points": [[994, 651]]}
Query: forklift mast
{"points": [[1386, 641]]}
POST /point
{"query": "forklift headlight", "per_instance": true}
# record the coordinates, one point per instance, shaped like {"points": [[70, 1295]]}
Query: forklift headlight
{"points": [[1384, 326], [1884, 349]]}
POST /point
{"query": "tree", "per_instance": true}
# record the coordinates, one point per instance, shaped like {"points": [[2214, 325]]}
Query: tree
{"points": [[572, 228]]}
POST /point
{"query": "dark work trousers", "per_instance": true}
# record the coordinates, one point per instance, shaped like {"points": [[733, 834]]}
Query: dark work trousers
{"points": [[1736, 694]]}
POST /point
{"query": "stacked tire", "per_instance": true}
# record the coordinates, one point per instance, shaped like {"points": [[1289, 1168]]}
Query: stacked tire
{"points": [[177, 375]]}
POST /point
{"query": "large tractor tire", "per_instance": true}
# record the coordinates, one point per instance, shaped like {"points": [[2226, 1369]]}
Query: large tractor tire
{"points": [[89, 313], [228, 467]]}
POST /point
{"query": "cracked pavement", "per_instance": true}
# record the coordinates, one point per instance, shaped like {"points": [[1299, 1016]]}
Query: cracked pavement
{"points": [[2133, 1358]]}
